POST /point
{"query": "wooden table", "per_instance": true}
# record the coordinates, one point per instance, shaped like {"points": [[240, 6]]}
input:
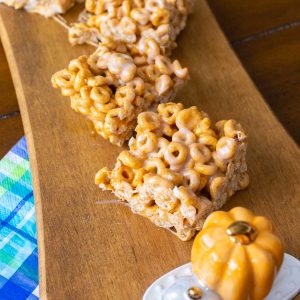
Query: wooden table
{"points": [[11, 129], [57, 218], [266, 40]]}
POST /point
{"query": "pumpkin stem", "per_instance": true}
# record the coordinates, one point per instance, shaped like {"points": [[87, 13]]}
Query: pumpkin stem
{"points": [[241, 232]]}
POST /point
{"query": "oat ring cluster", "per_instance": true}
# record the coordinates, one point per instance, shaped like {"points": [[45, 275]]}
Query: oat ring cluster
{"points": [[180, 166], [112, 86], [131, 70]]}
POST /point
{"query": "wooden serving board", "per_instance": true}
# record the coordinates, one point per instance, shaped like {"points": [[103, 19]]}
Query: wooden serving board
{"points": [[89, 250]]}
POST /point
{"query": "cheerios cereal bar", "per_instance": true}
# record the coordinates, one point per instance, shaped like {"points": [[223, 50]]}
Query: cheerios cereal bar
{"points": [[179, 167], [111, 87], [130, 21], [46, 8]]}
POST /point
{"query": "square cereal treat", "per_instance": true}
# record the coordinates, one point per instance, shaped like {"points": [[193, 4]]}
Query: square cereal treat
{"points": [[112, 87], [130, 21], [179, 167], [46, 8]]}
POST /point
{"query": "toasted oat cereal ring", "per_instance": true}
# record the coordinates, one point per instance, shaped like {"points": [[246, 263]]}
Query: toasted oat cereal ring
{"points": [[163, 84], [105, 108], [216, 184], [186, 137], [139, 177], [100, 95], [138, 85], [162, 34], [188, 118], [128, 25], [206, 169], [148, 121], [244, 180], [140, 15], [152, 73], [158, 182], [219, 127], [155, 165], [123, 173], [96, 115], [226, 147], [185, 196], [180, 72], [124, 95], [169, 130], [130, 160], [162, 145], [103, 177], [175, 177], [200, 153], [168, 111], [126, 7], [63, 79], [153, 5], [221, 163], [192, 180], [159, 17], [114, 115], [122, 65], [234, 130], [97, 81], [78, 64], [151, 48], [176, 153], [80, 79], [138, 101], [85, 95], [163, 64], [190, 163], [68, 92], [203, 126], [208, 140], [146, 142]]}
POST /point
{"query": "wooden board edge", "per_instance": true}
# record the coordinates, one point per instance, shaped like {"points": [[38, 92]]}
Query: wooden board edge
{"points": [[32, 159], [32, 154]]}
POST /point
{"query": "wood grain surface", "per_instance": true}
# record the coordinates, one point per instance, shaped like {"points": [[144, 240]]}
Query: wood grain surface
{"points": [[273, 62], [265, 36], [92, 250], [240, 19], [8, 102], [11, 130]]}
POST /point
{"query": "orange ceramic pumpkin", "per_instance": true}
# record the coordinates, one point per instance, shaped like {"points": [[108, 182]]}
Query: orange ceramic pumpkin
{"points": [[237, 255]]}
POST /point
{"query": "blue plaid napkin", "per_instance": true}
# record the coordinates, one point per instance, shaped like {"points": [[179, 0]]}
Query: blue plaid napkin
{"points": [[18, 240]]}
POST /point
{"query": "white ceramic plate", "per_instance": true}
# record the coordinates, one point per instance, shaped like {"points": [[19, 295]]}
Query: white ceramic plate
{"points": [[286, 285]]}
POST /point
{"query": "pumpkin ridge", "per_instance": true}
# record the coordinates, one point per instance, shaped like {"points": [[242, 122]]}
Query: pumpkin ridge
{"points": [[272, 250], [261, 248], [251, 273], [264, 252], [226, 266], [261, 221], [220, 239], [214, 217], [233, 213]]}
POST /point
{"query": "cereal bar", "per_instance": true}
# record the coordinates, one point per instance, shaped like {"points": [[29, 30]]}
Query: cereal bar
{"points": [[131, 21], [179, 167], [46, 8], [111, 87]]}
